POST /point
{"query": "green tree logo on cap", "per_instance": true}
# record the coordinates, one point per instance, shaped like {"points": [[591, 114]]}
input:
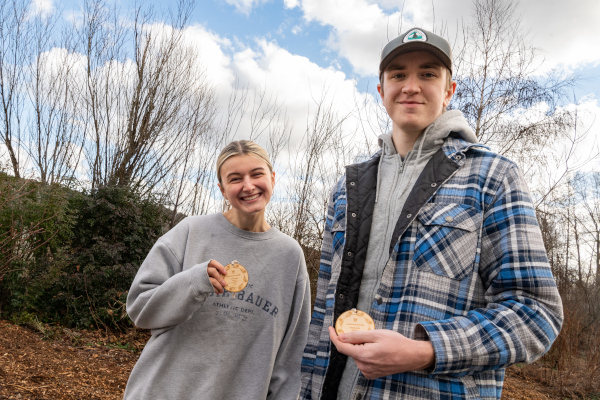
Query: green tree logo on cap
{"points": [[416, 35]]}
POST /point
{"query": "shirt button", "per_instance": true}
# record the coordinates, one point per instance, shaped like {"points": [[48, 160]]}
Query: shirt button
{"points": [[458, 157], [449, 219], [354, 215], [341, 296], [433, 184], [336, 225], [408, 215], [350, 253], [352, 183], [379, 300]]}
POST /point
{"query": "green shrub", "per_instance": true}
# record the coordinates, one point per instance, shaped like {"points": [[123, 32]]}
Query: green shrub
{"points": [[115, 231], [87, 252], [35, 229]]}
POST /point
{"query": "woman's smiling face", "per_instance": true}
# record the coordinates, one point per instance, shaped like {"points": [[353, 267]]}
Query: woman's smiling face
{"points": [[247, 183]]}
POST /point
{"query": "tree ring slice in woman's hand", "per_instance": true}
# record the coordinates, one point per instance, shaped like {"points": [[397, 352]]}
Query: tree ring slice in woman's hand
{"points": [[236, 278], [354, 320]]}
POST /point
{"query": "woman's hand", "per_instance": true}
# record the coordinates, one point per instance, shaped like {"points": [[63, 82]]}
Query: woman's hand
{"points": [[215, 275]]}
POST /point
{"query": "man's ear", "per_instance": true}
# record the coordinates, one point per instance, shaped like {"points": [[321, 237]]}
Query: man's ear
{"points": [[449, 93], [380, 90]]}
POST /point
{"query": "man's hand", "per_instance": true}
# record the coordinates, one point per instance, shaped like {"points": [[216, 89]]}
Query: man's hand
{"points": [[383, 352]]}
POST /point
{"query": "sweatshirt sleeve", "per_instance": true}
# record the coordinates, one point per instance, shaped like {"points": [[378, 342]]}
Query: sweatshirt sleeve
{"points": [[524, 312], [285, 379], [163, 294]]}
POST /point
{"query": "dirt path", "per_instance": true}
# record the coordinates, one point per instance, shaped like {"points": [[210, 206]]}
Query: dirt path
{"points": [[84, 365]]}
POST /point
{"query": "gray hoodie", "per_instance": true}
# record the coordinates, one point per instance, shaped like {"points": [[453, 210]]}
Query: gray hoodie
{"points": [[395, 179]]}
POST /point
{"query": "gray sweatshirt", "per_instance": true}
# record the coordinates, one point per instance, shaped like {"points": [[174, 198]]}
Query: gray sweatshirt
{"points": [[395, 180], [245, 345]]}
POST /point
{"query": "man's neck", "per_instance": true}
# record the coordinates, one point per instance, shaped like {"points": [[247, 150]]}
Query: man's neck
{"points": [[404, 141]]}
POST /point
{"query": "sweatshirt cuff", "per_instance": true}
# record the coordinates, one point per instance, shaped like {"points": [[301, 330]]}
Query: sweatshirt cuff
{"points": [[199, 281], [451, 346]]}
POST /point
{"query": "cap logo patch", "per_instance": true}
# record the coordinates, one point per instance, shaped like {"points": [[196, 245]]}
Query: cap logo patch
{"points": [[416, 35]]}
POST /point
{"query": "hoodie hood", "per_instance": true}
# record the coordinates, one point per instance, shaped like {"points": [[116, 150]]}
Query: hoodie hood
{"points": [[435, 134], [431, 139]]}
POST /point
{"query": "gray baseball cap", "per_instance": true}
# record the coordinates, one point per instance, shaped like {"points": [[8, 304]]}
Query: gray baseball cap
{"points": [[413, 40]]}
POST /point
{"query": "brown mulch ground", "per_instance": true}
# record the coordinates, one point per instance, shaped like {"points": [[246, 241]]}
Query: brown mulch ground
{"points": [[57, 363], [65, 364]]}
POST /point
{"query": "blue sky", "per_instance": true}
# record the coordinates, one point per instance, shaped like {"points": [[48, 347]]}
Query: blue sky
{"points": [[247, 20], [344, 34], [302, 50]]}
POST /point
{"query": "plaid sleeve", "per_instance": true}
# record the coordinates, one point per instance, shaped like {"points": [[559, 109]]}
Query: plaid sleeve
{"points": [[524, 311], [319, 310]]}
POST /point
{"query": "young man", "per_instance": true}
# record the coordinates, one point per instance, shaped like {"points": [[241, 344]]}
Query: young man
{"points": [[436, 238]]}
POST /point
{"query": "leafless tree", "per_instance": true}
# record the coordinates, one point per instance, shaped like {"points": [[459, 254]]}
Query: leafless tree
{"points": [[144, 115], [14, 48], [496, 69], [587, 196], [315, 165], [55, 138], [512, 106]]}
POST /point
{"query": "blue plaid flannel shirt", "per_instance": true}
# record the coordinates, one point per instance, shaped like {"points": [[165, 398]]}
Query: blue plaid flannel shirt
{"points": [[477, 285]]}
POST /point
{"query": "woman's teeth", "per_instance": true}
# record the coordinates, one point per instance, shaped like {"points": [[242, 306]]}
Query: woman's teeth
{"points": [[254, 196]]}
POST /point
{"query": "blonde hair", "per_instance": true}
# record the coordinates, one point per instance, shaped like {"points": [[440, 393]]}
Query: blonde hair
{"points": [[242, 147]]}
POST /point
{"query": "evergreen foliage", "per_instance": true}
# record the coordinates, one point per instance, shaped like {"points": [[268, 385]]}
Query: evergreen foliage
{"points": [[77, 267]]}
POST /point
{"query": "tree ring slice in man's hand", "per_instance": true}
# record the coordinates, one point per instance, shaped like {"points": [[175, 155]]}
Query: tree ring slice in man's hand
{"points": [[354, 320], [236, 278]]}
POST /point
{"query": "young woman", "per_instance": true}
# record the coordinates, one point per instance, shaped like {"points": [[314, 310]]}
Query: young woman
{"points": [[207, 342]]}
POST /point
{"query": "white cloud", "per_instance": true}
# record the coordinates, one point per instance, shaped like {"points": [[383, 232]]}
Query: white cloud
{"points": [[245, 6], [362, 30], [212, 54], [42, 8], [566, 35], [296, 82], [290, 3]]}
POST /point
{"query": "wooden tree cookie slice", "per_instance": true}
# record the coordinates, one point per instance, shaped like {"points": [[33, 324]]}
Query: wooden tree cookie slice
{"points": [[354, 320], [236, 278]]}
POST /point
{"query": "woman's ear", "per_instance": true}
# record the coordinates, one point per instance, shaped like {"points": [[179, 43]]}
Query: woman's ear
{"points": [[222, 190]]}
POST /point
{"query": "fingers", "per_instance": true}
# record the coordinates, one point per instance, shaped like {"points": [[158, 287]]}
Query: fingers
{"points": [[217, 286], [359, 337], [218, 266], [215, 274], [344, 348]]}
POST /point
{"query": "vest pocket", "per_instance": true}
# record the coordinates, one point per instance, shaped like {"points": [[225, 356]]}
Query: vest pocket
{"points": [[447, 239]]}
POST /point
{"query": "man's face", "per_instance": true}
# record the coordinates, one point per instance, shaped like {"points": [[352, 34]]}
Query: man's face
{"points": [[414, 91]]}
